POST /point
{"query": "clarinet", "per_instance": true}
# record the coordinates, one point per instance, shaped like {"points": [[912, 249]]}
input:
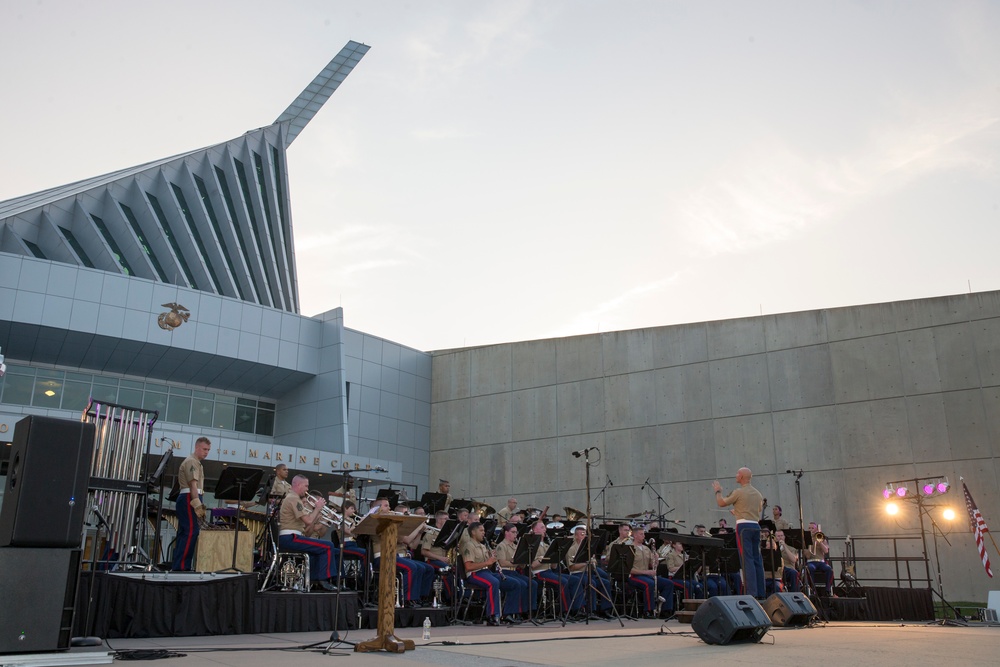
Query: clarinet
{"points": [[496, 565]]}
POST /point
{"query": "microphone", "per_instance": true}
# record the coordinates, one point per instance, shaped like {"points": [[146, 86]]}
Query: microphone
{"points": [[644, 484], [582, 452], [610, 483]]}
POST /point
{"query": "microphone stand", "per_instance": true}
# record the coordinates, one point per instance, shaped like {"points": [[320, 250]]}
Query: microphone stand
{"points": [[803, 568], [603, 496], [660, 503]]}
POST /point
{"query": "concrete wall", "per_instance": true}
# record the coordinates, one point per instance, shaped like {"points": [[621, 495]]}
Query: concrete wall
{"points": [[855, 397]]}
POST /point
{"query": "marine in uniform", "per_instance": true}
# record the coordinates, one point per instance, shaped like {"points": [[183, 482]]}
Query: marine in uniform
{"points": [[190, 510]]}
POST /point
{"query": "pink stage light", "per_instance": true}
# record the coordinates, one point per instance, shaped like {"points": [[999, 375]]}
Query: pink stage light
{"points": [[943, 487], [929, 488], [901, 491]]}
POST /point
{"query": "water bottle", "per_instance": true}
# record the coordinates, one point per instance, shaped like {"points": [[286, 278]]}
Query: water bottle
{"points": [[427, 627]]}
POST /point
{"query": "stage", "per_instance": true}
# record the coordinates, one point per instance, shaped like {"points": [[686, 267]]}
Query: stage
{"points": [[600, 644]]}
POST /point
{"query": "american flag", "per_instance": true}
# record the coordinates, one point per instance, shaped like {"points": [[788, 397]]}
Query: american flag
{"points": [[978, 527]]}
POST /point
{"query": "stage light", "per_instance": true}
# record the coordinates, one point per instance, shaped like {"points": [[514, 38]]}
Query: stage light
{"points": [[888, 491], [901, 491], [949, 514], [929, 488], [943, 486], [892, 508]]}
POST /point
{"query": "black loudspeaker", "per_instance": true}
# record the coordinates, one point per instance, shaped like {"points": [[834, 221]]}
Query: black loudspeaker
{"points": [[38, 590], [730, 619], [791, 609], [47, 479]]}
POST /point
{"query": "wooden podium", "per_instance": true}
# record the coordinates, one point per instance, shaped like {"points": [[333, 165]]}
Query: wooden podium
{"points": [[387, 527]]}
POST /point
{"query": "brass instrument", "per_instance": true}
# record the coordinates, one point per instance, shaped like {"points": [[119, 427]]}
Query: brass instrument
{"points": [[327, 516], [573, 515]]}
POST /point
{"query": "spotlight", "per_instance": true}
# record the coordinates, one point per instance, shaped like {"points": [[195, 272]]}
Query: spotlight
{"points": [[949, 514], [901, 491], [888, 491], [892, 508], [943, 486], [929, 488]]}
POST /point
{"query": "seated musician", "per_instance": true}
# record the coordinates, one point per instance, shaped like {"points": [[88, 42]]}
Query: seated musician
{"points": [[790, 559], [418, 578], [549, 572], [723, 527], [599, 596], [773, 567], [527, 594], [504, 513], [624, 537], [657, 592], [300, 530], [819, 569], [350, 549], [479, 563], [675, 558], [434, 556], [700, 530], [779, 521]]}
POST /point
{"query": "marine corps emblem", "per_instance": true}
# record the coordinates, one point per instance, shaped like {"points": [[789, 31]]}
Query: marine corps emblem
{"points": [[177, 316]]}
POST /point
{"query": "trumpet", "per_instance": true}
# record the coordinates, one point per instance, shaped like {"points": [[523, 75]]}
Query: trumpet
{"points": [[327, 516]]}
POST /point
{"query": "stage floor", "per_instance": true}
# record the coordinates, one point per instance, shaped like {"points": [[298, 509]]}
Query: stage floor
{"points": [[604, 643]]}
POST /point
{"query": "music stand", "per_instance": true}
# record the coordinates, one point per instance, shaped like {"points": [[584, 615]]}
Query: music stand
{"points": [[767, 523], [527, 546], [155, 481], [392, 495], [433, 502], [237, 484]]}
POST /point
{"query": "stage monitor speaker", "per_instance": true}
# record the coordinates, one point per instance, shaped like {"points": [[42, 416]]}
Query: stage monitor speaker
{"points": [[730, 619], [789, 609], [38, 590], [47, 479]]}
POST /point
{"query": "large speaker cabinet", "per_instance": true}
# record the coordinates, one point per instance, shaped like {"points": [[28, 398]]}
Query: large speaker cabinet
{"points": [[789, 609], [47, 479], [730, 619], [37, 594]]}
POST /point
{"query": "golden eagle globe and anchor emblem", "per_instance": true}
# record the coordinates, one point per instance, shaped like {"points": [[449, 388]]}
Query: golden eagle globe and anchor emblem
{"points": [[177, 316]]}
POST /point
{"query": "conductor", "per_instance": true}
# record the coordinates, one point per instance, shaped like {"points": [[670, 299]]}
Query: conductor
{"points": [[747, 504]]}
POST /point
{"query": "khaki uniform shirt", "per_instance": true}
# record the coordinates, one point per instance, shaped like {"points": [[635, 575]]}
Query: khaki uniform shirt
{"points": [[505, 552], [191, 470], [291, 513], [280, 487], [504, 515], [674, 560], [475, 552], [572, 551], [543, 548], [644, 558], [789, 556], [747, 502], [427, 547], [607, 549], [781, 524]]}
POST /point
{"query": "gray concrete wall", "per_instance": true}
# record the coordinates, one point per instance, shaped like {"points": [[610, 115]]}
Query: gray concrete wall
{"points": [[854, 396]]}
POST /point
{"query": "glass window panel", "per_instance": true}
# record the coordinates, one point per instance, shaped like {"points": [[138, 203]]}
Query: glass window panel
{"points": [[265, 406], [179, 410], [229, 400], [247, 402], [49, 373], [20, 370], [161, 388], [76, 395], [17, 389], [111, 382], [203, 394], [47, 394], [152, 400], [104, 393], [130, 384], [177, 391], [130, 397], [201, 412], [80, 377], [225, 415], [265, 422], [246, 417]]}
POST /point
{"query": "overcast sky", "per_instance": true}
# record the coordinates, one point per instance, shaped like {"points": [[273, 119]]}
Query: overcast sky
{"points": [[503, 171]]}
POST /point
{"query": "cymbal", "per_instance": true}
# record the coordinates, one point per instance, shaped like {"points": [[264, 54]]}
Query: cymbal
{"points": [[634, 516]]}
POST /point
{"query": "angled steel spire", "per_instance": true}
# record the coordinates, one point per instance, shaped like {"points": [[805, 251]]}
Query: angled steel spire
{"points": [[312, 99]]}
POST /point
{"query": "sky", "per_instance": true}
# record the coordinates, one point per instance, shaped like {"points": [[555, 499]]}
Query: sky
{"points": [[502, 171]]}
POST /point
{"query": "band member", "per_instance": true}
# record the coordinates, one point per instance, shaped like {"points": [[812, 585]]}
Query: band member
{"points": [[527, 594], [599, 594], [281, 485], [790, 559], [700, 530], [624, 537], [434, 556], [418, 578], [504, 514], [299, 529], [675, 558], [350, 549], [655, 590], [779, 522], [568, 595], [444, 486], [819, 569], [190, 510], [771, 556], [747, 503], [478, 564]]}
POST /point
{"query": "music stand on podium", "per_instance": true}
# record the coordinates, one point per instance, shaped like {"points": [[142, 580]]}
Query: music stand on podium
{"points": [[387, 526], [239, 484]]}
